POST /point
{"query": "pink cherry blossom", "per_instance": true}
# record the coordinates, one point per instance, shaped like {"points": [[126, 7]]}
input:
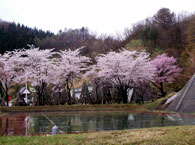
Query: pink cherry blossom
{"points": [[165, 70]]}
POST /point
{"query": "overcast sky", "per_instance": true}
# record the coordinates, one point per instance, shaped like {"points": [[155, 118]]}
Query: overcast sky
{"points": [[101, 16]]}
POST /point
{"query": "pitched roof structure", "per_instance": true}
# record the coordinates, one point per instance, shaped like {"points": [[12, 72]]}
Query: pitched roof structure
{"points": [[184, 100], [23, 90]]}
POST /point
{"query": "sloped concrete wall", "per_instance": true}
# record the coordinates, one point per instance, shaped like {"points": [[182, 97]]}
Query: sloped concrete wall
{"points": [[185, 100]]}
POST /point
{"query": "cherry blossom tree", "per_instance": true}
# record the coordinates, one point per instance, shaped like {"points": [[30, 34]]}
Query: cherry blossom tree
{"points": [[39, 68], [11, 70], [69, 66], [96, 81], [123, 70], [43, 67], [165, 71]]}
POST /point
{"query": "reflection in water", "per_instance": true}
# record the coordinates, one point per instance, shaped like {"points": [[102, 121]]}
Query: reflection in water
{"points": [[86, 122], [14, 125]]}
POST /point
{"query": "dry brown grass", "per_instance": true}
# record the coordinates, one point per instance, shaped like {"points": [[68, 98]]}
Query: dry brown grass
{"points": [[179, 135], [152, 136]]}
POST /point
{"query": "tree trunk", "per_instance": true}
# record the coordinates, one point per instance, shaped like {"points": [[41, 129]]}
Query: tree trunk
{"points": [[163, 93], [39, 95], [69, 98], [6, 95], [143, 90], [125, 97], [7, 99]]}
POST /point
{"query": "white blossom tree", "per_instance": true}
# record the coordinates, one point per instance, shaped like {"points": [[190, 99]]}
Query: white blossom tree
{"points": [[69, 66], [39, 68], [123, 70], [11, 70], [43, 67]]}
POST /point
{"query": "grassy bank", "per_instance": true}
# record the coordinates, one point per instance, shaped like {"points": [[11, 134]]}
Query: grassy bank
{"points": [[54, 108], [149, 136], [148, 106]]}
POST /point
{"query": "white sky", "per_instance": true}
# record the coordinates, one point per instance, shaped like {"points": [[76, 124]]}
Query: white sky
{"points": [[101, 16]]}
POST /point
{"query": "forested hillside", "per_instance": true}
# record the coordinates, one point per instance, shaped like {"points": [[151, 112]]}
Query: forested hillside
{"points": [[75, 38], [15, 36], [166, 32]]}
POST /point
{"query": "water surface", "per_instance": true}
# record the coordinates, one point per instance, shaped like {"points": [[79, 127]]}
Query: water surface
{"points": [[42, 123]]}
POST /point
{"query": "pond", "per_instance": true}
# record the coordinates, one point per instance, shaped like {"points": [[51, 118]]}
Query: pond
{"points": [[42, 123]]}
